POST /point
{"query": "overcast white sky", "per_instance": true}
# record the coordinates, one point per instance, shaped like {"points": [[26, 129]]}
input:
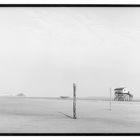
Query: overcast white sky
{"points": [[44, 50]]}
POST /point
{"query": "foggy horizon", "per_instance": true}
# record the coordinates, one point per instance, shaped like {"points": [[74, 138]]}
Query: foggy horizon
{"points": [[44, 51]]}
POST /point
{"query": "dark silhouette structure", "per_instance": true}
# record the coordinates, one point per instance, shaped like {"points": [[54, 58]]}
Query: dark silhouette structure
{"points": [[122, 94], [21, 95]]}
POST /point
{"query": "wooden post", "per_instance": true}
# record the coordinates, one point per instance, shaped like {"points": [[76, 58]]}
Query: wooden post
{"points": [[74, 101], [110, 99]]}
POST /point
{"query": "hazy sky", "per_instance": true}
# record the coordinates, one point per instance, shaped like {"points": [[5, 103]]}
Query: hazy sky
{"points": [[44, 50]]}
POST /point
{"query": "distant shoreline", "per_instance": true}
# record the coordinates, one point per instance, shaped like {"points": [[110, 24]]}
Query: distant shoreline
{"points": [[70, 98]]}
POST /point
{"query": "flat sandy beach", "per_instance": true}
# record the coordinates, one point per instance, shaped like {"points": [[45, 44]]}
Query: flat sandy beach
{"points": [[38, 115]]}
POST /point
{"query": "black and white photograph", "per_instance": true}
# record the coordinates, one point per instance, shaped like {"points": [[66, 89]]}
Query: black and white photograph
{"points": [[69, 69]]}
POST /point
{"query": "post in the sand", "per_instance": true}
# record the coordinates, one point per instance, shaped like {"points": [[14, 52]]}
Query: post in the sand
{"points": [[74, 101]]}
